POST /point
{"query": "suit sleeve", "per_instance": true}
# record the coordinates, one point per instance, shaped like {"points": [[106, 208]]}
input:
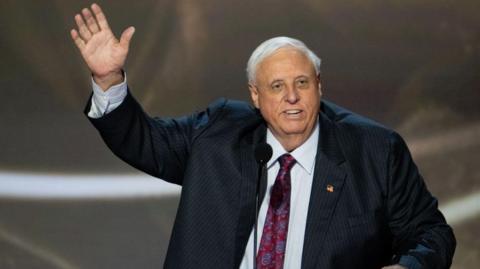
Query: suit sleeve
{"points": [[157, 146], [422, 238]]}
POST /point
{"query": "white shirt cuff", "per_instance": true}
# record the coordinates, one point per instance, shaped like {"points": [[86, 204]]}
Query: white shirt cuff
{"points": [[104, 102]]}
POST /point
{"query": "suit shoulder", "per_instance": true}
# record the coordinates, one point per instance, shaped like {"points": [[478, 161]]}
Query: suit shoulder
{"points": [[354, 125], [232, 109], [225, 113]]}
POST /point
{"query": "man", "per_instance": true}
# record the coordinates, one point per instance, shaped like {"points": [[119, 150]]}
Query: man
{"points": [[342, 191]]}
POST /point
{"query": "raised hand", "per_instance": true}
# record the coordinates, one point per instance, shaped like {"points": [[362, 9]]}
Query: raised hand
{"points": [[104, 54]]}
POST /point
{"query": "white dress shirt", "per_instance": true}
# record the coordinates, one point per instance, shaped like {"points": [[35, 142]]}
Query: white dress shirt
{"points": [[301, 176]]}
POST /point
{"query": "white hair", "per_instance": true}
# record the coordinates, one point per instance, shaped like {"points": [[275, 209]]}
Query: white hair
{"points": [[271, 45]]}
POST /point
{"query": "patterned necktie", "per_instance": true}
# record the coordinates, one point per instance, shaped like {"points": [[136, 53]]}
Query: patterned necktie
{"points": [[274, 238]]}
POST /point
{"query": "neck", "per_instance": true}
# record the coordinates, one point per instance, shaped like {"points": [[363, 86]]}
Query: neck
{"points": [[291, 142]]}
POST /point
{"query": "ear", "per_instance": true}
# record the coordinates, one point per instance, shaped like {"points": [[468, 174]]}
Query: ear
{"points": [[319, 84], [254, 94]]}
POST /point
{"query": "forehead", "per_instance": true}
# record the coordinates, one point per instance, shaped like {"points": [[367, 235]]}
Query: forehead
{"points": [[284, 63]]}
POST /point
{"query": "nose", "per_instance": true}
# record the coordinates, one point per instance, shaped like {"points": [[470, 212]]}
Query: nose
{"points": [[292, 95]]}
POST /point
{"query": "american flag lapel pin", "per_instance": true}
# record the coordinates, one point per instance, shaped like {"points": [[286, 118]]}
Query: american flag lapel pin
{"points": [[330, 188]]}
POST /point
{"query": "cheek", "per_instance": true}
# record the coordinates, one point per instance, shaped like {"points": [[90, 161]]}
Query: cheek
{"points": [[268, 109], [314, 100]]}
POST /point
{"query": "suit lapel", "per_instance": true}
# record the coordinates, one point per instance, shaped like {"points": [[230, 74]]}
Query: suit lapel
{"points": [[249, 168], [328, 180]]}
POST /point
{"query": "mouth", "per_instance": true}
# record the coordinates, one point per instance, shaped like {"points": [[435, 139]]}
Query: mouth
{"points": [[293, 113]]}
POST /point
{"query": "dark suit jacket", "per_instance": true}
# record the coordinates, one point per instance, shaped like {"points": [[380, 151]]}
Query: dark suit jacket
{"points": [[379, 210]]}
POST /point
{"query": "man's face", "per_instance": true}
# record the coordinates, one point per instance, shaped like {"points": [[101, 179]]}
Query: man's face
{"points": [[287, 92]]}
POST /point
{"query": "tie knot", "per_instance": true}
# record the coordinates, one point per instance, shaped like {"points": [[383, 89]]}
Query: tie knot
{"points": [[286, 161]]}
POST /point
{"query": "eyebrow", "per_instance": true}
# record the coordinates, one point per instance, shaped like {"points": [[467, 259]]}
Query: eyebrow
{"points": [[302, 76], [277, 80], [282, 80]]}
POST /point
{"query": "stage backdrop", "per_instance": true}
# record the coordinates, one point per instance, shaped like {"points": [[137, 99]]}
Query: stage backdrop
{"points": [[67, 202]]}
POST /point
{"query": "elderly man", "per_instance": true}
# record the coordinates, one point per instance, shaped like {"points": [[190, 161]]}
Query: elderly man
{"points": [[342, 190]]}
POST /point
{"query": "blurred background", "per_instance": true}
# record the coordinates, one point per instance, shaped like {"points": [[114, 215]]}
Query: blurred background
{"points": [[67, 202]]}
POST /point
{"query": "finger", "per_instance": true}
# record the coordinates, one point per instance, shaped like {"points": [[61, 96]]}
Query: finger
{"points": [[82, 28], [91, 22], [76, 38], [127, 36], [102, 21]]}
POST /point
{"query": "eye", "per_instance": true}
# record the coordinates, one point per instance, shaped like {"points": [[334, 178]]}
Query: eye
{"points": [[302, 83], [277, 86]]}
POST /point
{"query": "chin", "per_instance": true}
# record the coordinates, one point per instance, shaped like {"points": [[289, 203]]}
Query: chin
{"points": [[294, 131], [295, 127]]}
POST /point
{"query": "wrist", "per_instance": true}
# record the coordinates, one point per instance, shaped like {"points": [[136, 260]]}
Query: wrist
{"points": [[109, 80]]}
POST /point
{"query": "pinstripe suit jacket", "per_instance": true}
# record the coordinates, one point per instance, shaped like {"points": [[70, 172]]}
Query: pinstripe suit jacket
{"points": [[379, 210]]}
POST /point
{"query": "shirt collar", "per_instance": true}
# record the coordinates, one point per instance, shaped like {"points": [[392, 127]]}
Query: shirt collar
{"points": [[304, 155]]}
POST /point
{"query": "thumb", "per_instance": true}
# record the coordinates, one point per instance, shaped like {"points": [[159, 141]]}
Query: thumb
{"points": [[127, 36]]}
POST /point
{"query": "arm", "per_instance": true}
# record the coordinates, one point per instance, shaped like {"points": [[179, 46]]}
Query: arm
{"points": [[422, 238], [148, 144], [158, 146]]}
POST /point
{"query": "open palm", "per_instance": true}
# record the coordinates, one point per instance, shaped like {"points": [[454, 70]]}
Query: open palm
{"points": [[104, 54]]}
